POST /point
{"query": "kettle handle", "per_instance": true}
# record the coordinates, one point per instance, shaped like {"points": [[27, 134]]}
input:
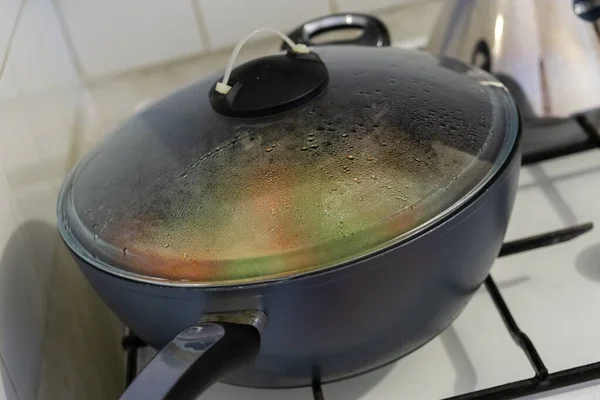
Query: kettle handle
{"points": [[375, 33]]}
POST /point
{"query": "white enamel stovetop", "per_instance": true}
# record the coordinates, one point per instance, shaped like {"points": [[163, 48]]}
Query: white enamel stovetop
{"points": [[553, 292]]}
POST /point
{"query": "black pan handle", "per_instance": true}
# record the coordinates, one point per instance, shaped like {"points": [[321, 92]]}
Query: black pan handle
{"points": [[374, 33], [199, 356]]}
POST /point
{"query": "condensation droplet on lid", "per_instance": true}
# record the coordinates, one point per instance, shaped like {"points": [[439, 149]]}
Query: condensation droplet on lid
{"points": [[311, 134], [310, 139], [304, 148], [269, 149], [370, 158], [346, 135], [349, 156], [95, 237], [357, 180], [125, 251], [373, 177], [166, 245], [314, 146], [389, 187]]}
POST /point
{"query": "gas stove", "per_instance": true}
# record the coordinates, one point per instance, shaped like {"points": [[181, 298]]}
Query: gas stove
{"points": [[531, 331]]}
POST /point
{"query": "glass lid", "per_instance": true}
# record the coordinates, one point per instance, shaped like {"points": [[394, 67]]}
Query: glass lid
{"points": [[393, 142]]}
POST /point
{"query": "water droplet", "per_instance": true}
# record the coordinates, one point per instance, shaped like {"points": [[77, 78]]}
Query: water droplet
{"points": [[369, 158], [269, 149], [166, 245], [406, 186], [274, 145], [349, 156], [314, 146], [310, 139], [384, 144], [304, 148], [417, 159], [360, 198], [185, 256], [95, 237], [345, 134], [388, 186], [311, 134], [125, 251], [373, 177], [183, 175], [357, 180]]}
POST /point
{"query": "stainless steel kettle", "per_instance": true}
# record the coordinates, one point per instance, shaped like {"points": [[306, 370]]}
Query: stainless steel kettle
{"points": [[547, 52]]}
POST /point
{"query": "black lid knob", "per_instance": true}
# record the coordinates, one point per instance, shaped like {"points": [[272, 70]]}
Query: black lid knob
{"points": [[271, 84]]}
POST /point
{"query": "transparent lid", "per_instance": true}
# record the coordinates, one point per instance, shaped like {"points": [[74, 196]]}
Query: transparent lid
{"points": [[182, 195]]}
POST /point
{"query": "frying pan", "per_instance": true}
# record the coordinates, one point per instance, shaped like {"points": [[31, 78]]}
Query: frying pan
{"points": [[312, 214]]}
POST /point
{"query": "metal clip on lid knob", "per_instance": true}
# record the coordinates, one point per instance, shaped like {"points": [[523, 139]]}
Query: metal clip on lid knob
{"points": [[271, 84]]}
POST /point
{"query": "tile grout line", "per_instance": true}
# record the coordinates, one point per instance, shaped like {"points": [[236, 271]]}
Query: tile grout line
{"points": [[11, 38], [200, 24], [10, 380], [77, 63]]}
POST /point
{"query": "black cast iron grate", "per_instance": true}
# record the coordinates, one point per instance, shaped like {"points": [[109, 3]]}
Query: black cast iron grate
{"points": [[542, 381]]}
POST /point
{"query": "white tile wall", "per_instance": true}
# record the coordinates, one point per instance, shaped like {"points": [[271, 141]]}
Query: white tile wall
{"points": [[8, 16], [228, 21], [39, 97], [368, 5], [21, 303], [7, 388], [112, 36]]}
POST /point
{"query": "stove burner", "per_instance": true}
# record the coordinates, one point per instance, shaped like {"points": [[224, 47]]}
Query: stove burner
{"points": [[582, 135]]}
